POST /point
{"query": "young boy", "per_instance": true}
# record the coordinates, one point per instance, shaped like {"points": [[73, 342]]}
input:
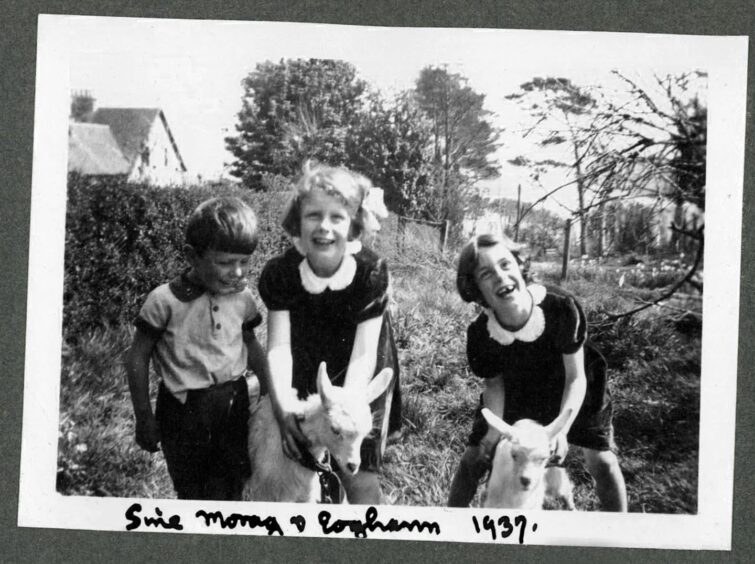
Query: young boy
{"points": [[198, 330]]}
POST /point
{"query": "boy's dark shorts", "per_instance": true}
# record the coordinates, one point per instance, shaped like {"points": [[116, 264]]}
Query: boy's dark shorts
{"points": [[205, 440], [591, 429]]}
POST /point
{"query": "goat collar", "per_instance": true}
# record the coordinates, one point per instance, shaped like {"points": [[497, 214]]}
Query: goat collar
{"points": [[532, 329], [309, 461], [331, 490], [340, 279]]}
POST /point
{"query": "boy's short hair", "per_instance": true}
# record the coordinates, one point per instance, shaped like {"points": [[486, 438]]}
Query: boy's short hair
{"points": [[465, 279], [224, 224], [350, 187]]}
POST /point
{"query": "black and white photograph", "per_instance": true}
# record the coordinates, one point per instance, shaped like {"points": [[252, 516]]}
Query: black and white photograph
{"points": [[436, 284]]}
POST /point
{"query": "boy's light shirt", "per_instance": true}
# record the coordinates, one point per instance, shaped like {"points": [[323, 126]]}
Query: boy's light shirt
{"points": [[200, 340]]}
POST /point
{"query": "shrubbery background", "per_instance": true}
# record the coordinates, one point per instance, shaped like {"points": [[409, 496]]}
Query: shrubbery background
{"points": [[123, 240]]}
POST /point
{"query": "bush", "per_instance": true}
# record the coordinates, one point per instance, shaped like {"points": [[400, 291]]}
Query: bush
{"points": [[123, 240]]}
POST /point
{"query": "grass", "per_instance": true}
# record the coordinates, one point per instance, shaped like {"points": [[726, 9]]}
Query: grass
{"points": [[654, 374], [96, 451]]}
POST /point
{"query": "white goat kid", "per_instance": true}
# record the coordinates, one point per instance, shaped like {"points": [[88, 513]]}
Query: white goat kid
{"points": [[519, 478], [335, 419]]}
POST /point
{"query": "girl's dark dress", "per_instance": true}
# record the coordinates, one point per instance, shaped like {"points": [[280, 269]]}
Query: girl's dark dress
{"points": [[533, 372], [323, 328]]}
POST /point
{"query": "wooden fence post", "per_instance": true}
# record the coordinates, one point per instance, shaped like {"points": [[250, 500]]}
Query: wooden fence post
{"points": [[518, 212], [401, 227], [445, 228], [567, 246]]}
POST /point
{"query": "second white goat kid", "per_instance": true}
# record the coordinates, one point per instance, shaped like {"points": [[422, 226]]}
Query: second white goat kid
{"points": [[519, 478], [335, 419]]}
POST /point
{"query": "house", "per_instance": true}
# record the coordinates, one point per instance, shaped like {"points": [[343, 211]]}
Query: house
{"points": [[134, 142], [92, 150]]}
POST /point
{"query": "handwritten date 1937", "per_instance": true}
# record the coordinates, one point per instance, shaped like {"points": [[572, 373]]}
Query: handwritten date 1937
{"points": [[503, 526]]}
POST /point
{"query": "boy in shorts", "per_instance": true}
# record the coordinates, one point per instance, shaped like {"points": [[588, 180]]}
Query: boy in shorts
{"points": [[198, 331]]}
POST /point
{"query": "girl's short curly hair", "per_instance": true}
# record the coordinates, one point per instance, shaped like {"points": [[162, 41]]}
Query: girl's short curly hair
{"points": [[349, 187], [470, 252], [223, 224]]}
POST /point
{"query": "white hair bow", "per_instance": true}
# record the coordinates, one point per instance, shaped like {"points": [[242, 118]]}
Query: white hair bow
{"points": [[374, 206]]}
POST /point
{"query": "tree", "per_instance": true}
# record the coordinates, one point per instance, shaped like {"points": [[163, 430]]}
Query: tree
{"points": [[542, 230], [565, 110], [671, 131], [462, 137], [294, 110], [645, 141], [391, 145]]}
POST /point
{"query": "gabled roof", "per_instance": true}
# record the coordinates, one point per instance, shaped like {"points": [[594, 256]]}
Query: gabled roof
{"points": [[131, 128], [92, 149]]}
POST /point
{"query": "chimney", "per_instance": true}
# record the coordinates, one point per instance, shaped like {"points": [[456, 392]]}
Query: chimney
{"points": [[82, 105]]}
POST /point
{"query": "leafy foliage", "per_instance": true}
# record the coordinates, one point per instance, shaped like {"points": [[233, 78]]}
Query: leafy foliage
{"points": [[425, 147], [291, 111], [391, 146], [123, 240], [565, 107], [462, 138], [645, 141]]}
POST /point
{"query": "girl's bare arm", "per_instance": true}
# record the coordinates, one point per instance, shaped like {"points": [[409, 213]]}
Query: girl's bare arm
{"points": [[575, 385], [279, 382], [364, 353]]}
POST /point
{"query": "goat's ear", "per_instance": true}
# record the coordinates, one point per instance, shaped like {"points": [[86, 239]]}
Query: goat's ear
{"points": [[554, 428], [379, 384], [324, 386], [497, 423]]}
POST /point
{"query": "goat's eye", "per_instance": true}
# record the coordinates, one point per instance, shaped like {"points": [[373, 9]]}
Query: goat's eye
{"points": [[515, 456], [336, 432]]}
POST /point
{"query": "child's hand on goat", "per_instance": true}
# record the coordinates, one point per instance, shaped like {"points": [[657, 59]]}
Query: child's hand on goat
{"points": [[486, 450], [292, 435], [488, 443], [147, 433], [559, 448]]}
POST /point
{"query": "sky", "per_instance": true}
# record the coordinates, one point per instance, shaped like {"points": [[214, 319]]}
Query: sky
{"points": [[193, 70]]}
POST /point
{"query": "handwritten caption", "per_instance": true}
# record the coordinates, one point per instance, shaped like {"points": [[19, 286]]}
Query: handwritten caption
{"points": [[499, 528], [327, 524]]}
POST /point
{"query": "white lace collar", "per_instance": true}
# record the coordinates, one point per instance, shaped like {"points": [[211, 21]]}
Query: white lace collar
{"points": [[532, 329], [340, 279]]}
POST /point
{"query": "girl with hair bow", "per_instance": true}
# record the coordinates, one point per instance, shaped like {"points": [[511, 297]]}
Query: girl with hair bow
{"points": [[327, 299]]}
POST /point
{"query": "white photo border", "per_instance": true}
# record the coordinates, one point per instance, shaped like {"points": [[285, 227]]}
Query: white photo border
{"points": [[725, 59]]}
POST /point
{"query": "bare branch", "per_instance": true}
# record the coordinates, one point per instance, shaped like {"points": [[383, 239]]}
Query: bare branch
{"points": [[696, 235]]}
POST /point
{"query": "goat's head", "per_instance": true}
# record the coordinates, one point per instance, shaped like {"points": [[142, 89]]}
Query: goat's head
{"points": [[347, 415], [529, 447]]}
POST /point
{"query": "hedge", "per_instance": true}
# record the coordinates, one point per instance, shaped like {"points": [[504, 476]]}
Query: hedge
{"points": [[123, 240]]}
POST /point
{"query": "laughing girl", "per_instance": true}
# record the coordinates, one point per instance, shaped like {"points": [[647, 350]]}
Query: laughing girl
{"points": [[529, 347], [327, 298]]}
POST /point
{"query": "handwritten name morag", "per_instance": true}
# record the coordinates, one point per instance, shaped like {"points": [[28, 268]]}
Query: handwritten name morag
{"points": [[370, 523], [231, 521]]}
